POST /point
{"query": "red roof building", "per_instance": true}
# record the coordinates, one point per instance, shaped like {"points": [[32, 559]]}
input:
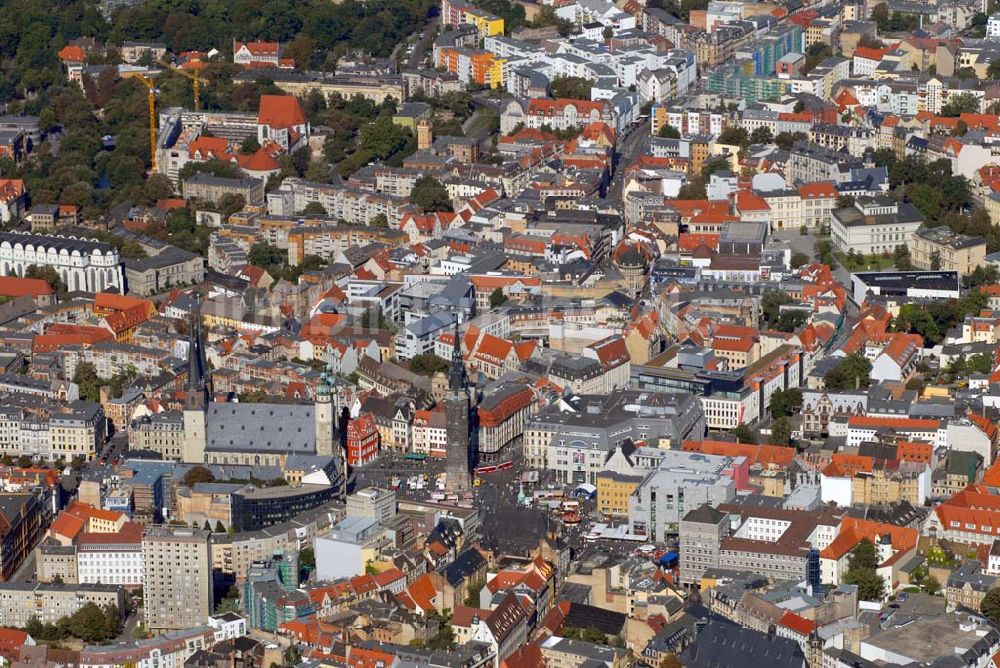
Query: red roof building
{"points": [[280, 111], [362, 440]]}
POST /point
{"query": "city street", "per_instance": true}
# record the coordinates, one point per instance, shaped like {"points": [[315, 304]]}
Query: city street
{"points": [[631, 145]]}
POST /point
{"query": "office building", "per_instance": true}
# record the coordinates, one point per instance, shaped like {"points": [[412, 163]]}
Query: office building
{"points": [[178, 578]]}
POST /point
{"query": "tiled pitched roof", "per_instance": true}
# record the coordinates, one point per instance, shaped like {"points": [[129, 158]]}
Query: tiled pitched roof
{"points": [[280, 111]]}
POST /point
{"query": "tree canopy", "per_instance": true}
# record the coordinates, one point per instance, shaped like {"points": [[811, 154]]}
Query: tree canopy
{"points": [[990, 605], [853, 372], [576, 88], [428, 364], [965, 103], [861, 571], [430, 195], [669, 132], [197, 474], [786, 402]]}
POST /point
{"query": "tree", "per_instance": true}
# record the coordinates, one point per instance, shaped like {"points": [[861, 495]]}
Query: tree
{"points": [[264, 256], [590, 634], [112, 621], [853, 373], [771, 302], [916, 319], [497, 298], [157, 186], [926, 198], [981, 275], [384, 139], [734, 136], [314, 209], [693, 189], [47, 274], [307, 558], [935, 260], [993, 71], [430, 195], [301, 50], [861, 571], [932, 586], [379, 221], [965, 73], [799, 259], [786, 402], [291, 656], [781, 431], [89, 623], [671, 660], [762, 135], [318, 171], [980, 363], [668, 131], [89, 382], [249, 145], [824, 252], [744, 434], [785, 140], [474, 588], [990, 605], [845, 201], [713, 165], [213, 167], [901, 258], [229, 204], [220, 527], [255, 396], [197, 474], [312, 263], [444, 639], [966, 103], [428, 364], [576, 88]]}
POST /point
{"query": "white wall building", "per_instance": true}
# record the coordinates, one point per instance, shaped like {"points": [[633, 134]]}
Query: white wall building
{"points": [[82, 264]]}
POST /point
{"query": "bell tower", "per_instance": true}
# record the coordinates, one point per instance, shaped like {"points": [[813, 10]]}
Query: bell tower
{"points": [[457, 410]]}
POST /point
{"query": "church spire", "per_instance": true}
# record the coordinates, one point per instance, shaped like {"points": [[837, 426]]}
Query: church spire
{"points": [[457, 377], [194, 389]]}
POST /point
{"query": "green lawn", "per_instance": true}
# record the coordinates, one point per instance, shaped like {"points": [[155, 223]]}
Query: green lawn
{"points": [[867, 263]]}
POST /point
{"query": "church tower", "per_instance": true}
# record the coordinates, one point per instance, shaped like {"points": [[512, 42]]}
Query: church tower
{"points": [[195, 391], [457, 410], [324, 417]]}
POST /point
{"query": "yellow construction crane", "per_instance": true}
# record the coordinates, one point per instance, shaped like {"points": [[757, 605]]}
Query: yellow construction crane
{"points": [[152, 119], [195, 78]]}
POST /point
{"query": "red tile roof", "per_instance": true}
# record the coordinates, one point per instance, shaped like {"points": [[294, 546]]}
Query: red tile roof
{"points": [[798, 624], [280, 111], [546, 107], [259, 161], [72, 54], [875, 422], [258, 48], [771, 455], [13, 286], [821, 189]]}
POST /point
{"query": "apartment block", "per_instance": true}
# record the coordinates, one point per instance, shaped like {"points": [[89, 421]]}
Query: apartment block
{"points": [[178, 578]]}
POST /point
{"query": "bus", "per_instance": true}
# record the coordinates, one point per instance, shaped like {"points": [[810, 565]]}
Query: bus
{"points": [[415, 456], [493, 468]]}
